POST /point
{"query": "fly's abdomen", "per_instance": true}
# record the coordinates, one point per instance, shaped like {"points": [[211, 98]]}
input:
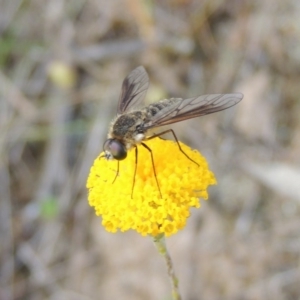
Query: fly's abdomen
{"points": [[154, 108]]}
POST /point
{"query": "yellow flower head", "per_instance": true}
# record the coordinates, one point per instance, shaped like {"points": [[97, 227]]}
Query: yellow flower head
{"points": [[181, 182]]}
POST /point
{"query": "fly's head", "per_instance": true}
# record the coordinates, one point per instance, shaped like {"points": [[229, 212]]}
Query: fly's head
{"points": [[114, 149]]}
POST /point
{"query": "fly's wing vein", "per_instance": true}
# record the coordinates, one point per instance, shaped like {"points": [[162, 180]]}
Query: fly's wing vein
{"points": [[134, 89], [184, 109]]}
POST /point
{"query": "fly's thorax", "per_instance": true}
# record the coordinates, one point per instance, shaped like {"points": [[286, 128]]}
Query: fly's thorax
{"points": [[126, 127]]}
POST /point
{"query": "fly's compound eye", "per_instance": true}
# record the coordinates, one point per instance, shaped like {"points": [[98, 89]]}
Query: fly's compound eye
{"points": [[115, 148]]}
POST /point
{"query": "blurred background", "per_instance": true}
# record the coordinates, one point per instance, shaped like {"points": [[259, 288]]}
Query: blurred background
{"points": [[62, 65]]}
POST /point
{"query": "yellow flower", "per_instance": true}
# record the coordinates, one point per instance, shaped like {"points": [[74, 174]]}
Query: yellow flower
{"points": [[181, 181]]}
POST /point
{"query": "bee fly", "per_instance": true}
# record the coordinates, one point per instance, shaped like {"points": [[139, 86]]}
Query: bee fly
{"points": [[132, 125]]}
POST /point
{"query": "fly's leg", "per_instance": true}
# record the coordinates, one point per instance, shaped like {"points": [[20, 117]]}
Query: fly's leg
{"points": [[145, 146], [136, 162], [117, 173], [175, 137]]}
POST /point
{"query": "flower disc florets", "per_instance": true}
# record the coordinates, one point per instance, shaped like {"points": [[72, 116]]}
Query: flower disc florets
{"points": [[181, 181]]}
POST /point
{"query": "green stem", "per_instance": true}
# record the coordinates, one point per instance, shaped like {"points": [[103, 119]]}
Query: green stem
{"points": [[160, 244]]}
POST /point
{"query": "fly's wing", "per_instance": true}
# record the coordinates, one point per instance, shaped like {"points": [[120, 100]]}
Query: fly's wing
{"points": [[184, 109], [134, 89]]}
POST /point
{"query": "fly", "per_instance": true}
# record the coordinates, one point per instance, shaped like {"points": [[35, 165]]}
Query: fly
{"points": [[132, 126]]}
